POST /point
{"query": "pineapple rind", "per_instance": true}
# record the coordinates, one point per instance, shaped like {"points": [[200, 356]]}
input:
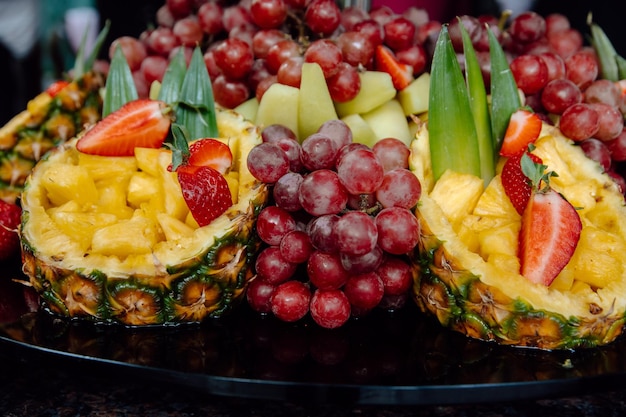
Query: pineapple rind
{"points": [[185, 279], [495, 303]]}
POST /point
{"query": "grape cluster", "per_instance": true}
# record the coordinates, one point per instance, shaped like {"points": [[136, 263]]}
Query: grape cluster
{"points": [[339, 228], [560, 78], [251, 44]]}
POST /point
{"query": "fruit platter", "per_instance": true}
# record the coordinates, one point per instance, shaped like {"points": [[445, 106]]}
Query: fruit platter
{"points": [[289, 200]]}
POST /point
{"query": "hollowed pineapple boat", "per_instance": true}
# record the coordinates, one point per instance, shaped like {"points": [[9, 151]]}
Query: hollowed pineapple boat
{"points": [[111, 238], [469, 269]]}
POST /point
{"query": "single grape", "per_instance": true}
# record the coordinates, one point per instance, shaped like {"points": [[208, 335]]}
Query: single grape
{"points": [[415, 56], [356, 233], [273, 223], [398, 230], [581, 68], [188, 31], [399, 33], [290, 71], [359, 264], [372, 31], [338, 131], [321, 192], [330, 309], [229, 93], [290, 301], [296, 246], [364, 291], [326, 271], [556, 22], [268, 14], [579, 122], [360, 171], [318, 151], [471, 24], [345, 84], [565, 42], [280, 52], [210, 17], [179, 8], [259, 295], [161, 41], [555, 65], [530, 72], [264, 39], [392, 153], [326, 54], [274, 132], [134, 50], [263, 85], [267, 162], [286, 192], [382, 14], [235, 15], [322, 17], [356, 48], [396, 274], [617, 147], [293, 150], [603, 91], [153, 67], [272, 267], [321, 230], [619, 180], [352, 15], [559, 94], [527, 27], [164, 17], [400, 188], [234, 57]]}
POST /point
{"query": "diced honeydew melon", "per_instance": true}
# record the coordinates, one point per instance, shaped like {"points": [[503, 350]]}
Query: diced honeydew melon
{"points": [[414, 98], [388, 120], [361, 130], [279, 105], [376, 89], [248, 108], [315, 106]]}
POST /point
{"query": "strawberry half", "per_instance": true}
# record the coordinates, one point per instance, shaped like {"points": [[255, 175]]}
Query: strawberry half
{"points": [[401, 74], [211, 153], [517, 186], [141, 123], [523, 129], [205, 191], [548, 237]]}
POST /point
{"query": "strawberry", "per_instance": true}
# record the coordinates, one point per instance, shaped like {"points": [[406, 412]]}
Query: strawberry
{"points": [[9, 223], [138, 123], [550, 228], [205, 191], [523, 129], [516, 184], [401, 74], [212, 153], [54, 88]]}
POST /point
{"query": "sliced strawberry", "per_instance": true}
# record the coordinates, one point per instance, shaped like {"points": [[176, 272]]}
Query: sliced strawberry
{"points": [[516, 184], [548, 237], [401, 74], [211, 153], [205, 191], [140, 123], [54, 88], [523, 129]]}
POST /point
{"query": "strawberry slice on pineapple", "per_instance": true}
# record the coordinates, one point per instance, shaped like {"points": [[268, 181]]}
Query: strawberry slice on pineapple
{"points": [[401, 74], [139, 123], [205, 191], [212, 153], [516, 184], [523, 129], [550, 229]]}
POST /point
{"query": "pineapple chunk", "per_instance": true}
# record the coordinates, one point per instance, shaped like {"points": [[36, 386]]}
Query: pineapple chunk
{"points": [[142, 187], [457, 195], [232, 178], [598, 257], [146, 158], [172, 228], [64, 182], [495, 202], [81, 226], [500, 240], [175, 204], [504, 262], [114, 167], [113, 200], [136, 235]]}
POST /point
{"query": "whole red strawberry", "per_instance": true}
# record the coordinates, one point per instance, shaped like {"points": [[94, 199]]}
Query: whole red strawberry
{"points": [[9, 223]]}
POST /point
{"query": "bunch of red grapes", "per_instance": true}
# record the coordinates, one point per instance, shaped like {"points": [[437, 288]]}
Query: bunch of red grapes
{"points": [[340, 226]]}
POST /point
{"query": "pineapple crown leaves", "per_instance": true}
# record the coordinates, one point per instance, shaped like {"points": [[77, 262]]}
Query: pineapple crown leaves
{"points": [[536, 172]]}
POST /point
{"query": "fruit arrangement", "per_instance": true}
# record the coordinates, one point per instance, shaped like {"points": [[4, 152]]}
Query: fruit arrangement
{"points": [[482, 190]]}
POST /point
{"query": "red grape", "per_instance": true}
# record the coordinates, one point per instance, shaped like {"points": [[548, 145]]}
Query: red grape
{"points": [[364, 290], [398, 230], [326, 271], [322, 17], [330, 309], [268, 14], [273, 223], [290, 301], [321, 192], [272, 267]]}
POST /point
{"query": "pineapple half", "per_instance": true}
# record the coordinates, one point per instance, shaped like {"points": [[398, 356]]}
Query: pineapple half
{"points": [[112, 239], [46, 122], [468, 269]]}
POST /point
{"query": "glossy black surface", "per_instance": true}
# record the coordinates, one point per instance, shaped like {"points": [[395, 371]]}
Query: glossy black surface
{"points": [[402, 358]]}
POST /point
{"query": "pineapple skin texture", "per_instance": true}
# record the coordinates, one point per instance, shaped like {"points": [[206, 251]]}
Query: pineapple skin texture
{"points": [[470, 286], [200, 274]]}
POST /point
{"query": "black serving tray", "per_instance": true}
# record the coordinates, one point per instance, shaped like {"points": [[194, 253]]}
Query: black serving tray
{"points": [[399, 358]]}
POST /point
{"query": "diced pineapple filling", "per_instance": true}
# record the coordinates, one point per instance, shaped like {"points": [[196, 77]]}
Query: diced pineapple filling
{"points": [[488, 224], [120, 206]]}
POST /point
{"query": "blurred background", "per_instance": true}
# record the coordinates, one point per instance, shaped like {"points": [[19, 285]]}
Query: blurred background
{"points": [[39, 38]]}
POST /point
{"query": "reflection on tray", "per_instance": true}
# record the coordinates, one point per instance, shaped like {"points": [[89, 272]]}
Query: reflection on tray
{"points": [[390, 349]]}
